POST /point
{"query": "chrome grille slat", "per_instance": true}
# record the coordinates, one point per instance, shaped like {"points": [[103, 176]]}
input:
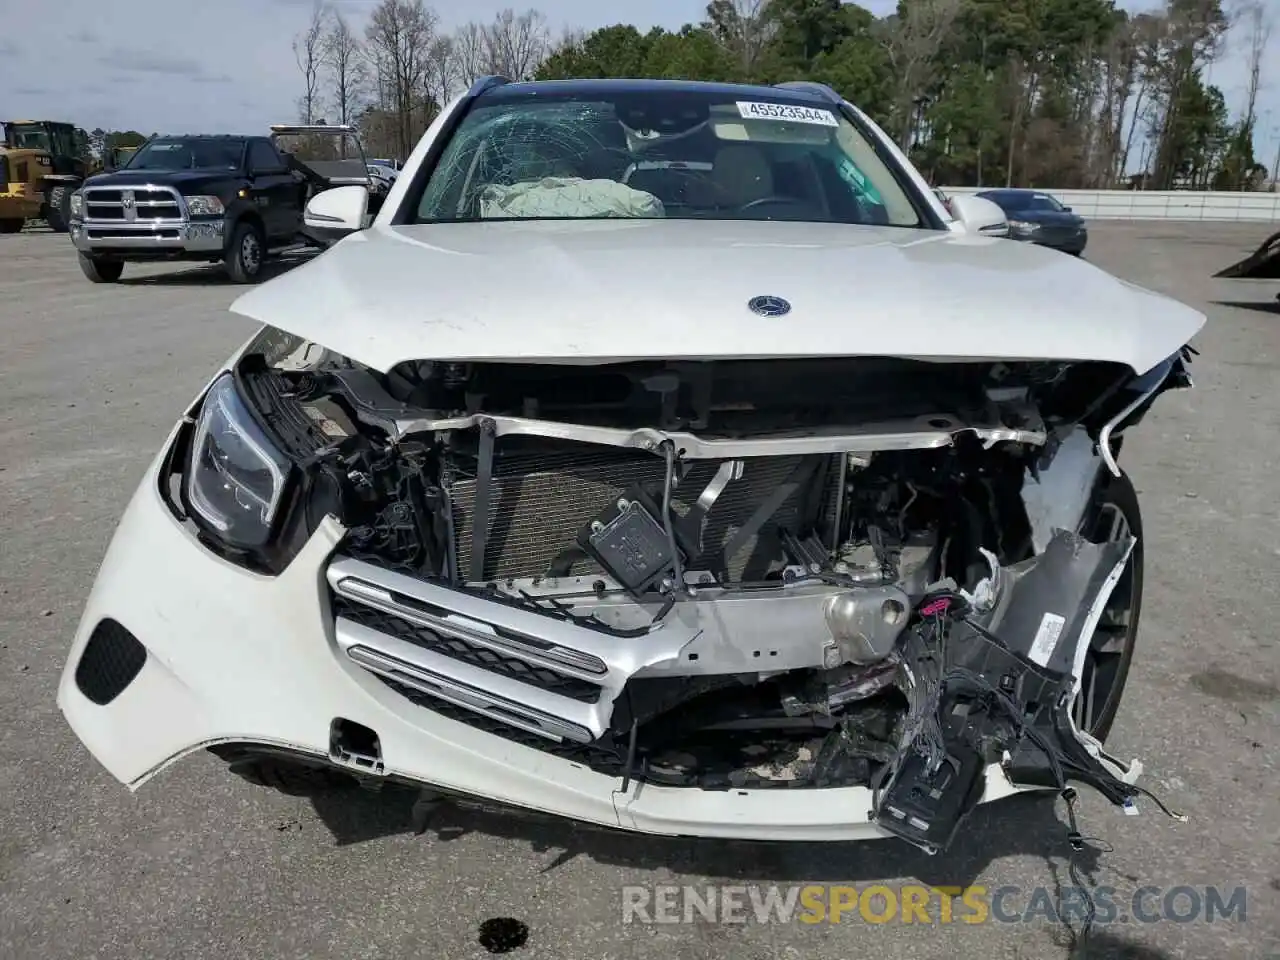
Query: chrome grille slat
{"points": [[468, 686], [147, 203], [503, 663], [529, 678]]}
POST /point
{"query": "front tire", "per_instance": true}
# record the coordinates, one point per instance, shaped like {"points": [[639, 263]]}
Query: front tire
{"points": [[1113, 515], [11, 225], [58, 208], [246, 254], [99, 270]]}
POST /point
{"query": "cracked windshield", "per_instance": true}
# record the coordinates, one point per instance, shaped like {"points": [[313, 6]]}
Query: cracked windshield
{"points": [[676, 155]]}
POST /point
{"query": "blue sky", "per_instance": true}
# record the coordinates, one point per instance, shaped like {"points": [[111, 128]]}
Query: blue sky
{"points": [[173, 65]]}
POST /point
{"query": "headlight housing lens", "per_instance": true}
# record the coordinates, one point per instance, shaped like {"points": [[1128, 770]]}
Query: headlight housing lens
{"points": [[77, 204], [203, 206], [1023, 226], [236, 476]]}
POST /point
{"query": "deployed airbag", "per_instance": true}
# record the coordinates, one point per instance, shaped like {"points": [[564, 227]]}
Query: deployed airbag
{"points": [[570, 197]]}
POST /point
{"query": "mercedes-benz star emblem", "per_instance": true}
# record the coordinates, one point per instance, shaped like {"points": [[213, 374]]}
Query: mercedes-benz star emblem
{"points": [[769, 306]]}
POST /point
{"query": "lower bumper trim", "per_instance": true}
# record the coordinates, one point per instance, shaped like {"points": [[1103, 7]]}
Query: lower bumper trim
{"points": [[176, 236]]}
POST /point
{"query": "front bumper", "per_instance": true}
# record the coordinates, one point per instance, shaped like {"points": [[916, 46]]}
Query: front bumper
{"points": [[1068, 241], [155, 238], [238, 657]]}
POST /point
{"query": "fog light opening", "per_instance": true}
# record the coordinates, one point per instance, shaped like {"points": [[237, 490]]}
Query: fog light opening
{"points": [[356, 746]]}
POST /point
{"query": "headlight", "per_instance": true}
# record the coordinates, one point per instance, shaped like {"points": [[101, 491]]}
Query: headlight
{"points": [[204, 206], [1023, 226], [77, 204], [236, 477]]}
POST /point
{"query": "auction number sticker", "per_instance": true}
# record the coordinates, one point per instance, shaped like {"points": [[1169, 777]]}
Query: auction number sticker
{"points": [[751, 110]]}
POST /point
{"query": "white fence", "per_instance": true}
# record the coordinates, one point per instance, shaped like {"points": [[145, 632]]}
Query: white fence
{"points": [[1161, 204]]}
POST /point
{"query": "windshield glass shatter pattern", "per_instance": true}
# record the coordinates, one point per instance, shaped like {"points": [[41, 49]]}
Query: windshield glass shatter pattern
{"points": [[683, 155]]}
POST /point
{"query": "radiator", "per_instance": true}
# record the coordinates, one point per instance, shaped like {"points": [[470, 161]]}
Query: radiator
{"points": [[540, 500]]}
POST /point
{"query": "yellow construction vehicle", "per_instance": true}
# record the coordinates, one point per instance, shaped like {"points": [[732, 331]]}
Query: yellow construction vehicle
{"points": [[44, 160], [20, 196], [112, 159], [117, 157]]}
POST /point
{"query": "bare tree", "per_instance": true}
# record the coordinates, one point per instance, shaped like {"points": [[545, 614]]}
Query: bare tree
{"points": [[400, 35], [308, 51], [1119, 65], [516, 44], [912, 46], [441, 72], [1146, 31], [1257, 22], [742, 27], [342, 56], [1193, 36], [470, 53], [1022, 92]]}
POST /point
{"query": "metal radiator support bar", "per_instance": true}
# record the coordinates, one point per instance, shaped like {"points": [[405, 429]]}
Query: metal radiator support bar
{"points": [[484, 495]]}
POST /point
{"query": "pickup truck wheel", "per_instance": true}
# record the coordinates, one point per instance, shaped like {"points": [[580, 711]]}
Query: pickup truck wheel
{"points": [[58, 208], [101, 271], [11, 225], [245, 254]]}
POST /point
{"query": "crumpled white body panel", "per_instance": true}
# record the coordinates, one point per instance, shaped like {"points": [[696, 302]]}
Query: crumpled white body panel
{"points": [[596, 291], [235, 656]]}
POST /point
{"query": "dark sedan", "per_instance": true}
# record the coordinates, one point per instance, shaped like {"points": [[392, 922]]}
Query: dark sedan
{"points": [[1039, 218]]}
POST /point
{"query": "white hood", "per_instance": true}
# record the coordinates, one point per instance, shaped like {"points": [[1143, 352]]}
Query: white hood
{"points": [[613, 290]]}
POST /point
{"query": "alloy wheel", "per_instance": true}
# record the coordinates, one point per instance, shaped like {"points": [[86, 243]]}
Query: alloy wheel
{"points": [[251, 253], [1102, 677]]}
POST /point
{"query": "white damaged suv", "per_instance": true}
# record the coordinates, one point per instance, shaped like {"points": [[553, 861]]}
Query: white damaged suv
{"points": [[665, 456]]}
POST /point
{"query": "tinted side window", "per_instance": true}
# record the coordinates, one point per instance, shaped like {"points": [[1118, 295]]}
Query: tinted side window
{"points": [[263, 156]]}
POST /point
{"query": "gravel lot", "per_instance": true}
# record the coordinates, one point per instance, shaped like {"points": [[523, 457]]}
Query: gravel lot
{"points": [[199, 864]]}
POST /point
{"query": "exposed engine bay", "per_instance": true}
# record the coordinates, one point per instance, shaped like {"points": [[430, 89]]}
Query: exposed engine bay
{"points": [[719, 575]]}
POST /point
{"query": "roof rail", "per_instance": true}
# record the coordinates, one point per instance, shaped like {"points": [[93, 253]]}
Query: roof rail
{"points": [[486, 83], [812, 86]]}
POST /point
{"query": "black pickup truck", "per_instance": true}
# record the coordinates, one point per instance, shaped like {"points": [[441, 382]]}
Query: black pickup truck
{"points": [[229, 199]]}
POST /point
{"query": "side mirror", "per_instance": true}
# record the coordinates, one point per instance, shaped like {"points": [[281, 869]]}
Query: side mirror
{"points": [[340, 210], [1066, 209], [979, 216]]}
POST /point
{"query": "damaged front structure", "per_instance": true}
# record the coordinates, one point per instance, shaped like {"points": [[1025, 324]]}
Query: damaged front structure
{"points": [[700, 576]]}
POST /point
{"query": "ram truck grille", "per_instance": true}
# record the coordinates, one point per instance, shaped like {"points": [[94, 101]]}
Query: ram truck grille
{"points": [[125, 204]]}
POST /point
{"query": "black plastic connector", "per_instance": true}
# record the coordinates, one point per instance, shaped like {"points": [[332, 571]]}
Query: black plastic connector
{"points": [[926, 808]]}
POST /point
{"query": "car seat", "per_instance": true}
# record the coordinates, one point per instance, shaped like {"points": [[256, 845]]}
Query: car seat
{"points": [[741, 174]]}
